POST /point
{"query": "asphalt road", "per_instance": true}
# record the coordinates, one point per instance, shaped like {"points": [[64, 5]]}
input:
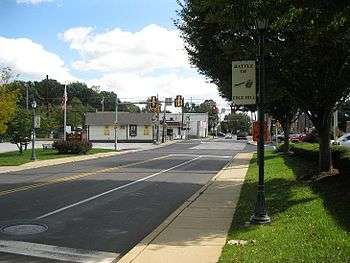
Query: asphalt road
{"points": [[107, 204]]}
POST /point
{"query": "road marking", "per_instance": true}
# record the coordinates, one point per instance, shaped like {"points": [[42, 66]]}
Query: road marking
{"points": [[115, 189], [203, 155], [74, 177], [56, 253]]}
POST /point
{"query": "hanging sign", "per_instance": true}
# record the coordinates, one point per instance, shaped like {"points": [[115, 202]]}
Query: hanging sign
{"points": [[243, 82]]}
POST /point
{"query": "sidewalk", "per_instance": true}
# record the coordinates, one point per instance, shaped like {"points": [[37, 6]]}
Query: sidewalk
{"points": [[197, 231], [44, 163]]}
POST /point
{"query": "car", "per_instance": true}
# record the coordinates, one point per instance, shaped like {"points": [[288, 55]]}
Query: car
{"points": [[228, 136], [242, 136], [221, 134], [344, 140]]}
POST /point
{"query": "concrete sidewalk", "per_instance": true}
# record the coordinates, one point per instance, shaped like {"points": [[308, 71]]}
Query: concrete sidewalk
{"points": [[50, 162], [197, 231]]}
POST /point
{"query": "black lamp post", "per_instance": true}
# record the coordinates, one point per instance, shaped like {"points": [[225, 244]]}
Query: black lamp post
{"points": [[260, 212], [33, 132]]}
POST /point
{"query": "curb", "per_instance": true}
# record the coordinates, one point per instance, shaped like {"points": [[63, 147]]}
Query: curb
{"points": [[58, 161], [143, 244]]}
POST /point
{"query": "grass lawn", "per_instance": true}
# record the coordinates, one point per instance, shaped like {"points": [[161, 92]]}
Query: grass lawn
{"points": [[310, 220], [14, 158]]}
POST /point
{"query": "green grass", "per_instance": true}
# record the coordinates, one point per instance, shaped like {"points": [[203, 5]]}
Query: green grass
{"points": [[15, 158], [310, 221]]}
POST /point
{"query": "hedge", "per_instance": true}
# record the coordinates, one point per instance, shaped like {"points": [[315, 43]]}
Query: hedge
{"points": [[73, 147], [310, 152]]}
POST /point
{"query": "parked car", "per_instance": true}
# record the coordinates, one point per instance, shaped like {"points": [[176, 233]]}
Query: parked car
{"points": [[344, 140], [221, 134], [228, 136], [242, 136]]}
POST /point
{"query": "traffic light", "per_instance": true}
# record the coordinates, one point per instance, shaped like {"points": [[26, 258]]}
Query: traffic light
{"points": [[153, 102], [179, 101]]}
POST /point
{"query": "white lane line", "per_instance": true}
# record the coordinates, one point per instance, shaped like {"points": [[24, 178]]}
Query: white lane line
{"points": [[56, 253], [203, 155], [115, 189]]}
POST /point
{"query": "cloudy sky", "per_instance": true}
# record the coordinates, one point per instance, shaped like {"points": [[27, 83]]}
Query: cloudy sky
{"points": [[130, 47]]}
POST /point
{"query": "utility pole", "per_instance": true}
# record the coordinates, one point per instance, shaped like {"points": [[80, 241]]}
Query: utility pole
{"points": [[164, 119], [103, 104], [27, 96], [116, 125], [158, 119], [65, 112]]}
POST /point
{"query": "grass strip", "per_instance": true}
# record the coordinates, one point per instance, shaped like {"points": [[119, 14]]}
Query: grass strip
{"points": [[15, 158], [310, 220]]}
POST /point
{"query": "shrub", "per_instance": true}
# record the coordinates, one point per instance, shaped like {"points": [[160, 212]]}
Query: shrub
{"points": [[73, 147], [309, 151]]}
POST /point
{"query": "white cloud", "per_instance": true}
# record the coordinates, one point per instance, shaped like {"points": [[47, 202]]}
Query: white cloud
{"points": [[33, 2], [151, 48], [28, 58], [135, 87]]}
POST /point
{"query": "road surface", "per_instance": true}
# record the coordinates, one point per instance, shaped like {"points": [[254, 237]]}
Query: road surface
{"points": [[106, 205]]}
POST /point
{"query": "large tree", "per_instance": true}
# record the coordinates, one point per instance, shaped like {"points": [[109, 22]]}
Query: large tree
{"points": [[8, 98], [308, 42]]}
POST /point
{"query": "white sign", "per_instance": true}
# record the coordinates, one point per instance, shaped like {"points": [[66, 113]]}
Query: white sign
{"points": [[168, 101], [243, 82]]}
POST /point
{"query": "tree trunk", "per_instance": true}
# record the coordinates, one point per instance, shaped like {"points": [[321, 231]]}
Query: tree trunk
{"points": [[323, 126], [325, 156], [286, 137]]}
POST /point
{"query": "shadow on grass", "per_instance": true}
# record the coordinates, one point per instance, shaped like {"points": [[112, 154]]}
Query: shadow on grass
{"points": [[279, 197], [334, 190]]}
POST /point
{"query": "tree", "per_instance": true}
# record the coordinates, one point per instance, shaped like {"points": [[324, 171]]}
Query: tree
{"points": [[19, 129], [8, 98], [308, 43], [236, 122]]}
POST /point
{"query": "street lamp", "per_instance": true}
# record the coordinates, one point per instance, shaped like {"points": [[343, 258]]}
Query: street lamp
{"points": [[260, 212], [33, 132]]}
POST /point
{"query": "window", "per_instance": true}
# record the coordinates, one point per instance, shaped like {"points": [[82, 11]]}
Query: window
{"points": [[146, 130], [133, 130]]}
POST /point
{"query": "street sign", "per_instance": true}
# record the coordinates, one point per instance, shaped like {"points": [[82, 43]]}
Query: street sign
{"points": [[37, 122], [168, 101], [244, 82]]}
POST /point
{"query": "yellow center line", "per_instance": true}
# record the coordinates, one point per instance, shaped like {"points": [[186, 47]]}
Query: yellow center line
{"points": [[73, 177]]}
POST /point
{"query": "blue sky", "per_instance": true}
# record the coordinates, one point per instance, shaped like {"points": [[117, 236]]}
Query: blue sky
{"points": [[128, 46]]}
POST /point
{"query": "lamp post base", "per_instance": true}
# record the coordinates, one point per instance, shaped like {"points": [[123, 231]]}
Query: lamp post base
{"points": [[260, 212]]}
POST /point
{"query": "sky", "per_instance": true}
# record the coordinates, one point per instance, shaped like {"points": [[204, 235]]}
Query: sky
{"points": [[130, 47]]}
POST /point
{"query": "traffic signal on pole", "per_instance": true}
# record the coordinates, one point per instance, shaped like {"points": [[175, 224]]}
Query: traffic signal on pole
{"points": [[179, 101]]}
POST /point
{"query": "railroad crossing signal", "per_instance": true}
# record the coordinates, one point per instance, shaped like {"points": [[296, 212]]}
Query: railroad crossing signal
{"points": [[179, 101]]}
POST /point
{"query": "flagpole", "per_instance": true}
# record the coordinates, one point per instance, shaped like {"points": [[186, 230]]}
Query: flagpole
{"points": [[65, 112]]}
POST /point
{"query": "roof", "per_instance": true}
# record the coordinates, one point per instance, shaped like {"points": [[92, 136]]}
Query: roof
{"points": [[124, 118]]}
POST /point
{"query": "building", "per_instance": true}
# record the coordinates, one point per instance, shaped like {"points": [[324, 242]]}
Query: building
{"points": [[132, 127], [195, 125], [142, 127]]}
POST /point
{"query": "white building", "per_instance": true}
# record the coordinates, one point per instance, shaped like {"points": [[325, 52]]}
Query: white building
{"points": [[142, 127], [195, 125], [132, 127]]}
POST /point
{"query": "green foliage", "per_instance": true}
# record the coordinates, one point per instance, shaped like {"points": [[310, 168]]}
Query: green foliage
{"points": [[72, 147], [7, 106], [235, 122], [20, 127]]}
